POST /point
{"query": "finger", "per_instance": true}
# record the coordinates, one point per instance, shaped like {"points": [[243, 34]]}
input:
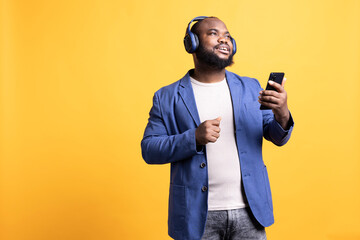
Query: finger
{"points": [[215, 134], [270, 93], [283, 82], [270, 99], [212, 139], [215, 129], [277, 86], [267, 104]]}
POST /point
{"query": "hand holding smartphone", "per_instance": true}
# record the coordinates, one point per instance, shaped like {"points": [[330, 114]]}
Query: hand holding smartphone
{"points": [[275, 77]]}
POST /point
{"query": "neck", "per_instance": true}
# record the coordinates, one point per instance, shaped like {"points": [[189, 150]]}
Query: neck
{"points": [[208, 75]]}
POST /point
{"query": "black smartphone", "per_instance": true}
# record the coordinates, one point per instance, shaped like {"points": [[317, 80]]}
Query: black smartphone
{"points": [[276, 77]]}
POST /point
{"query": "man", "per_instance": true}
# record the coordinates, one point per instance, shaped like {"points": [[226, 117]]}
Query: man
{"points": [[209, 126]]}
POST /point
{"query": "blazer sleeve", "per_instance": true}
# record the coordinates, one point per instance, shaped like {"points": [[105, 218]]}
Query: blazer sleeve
{"points": [[158, 147], [273, 131]]}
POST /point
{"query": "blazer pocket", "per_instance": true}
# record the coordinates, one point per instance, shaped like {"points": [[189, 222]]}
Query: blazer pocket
{"points": [[267, 188], [177, 207]]}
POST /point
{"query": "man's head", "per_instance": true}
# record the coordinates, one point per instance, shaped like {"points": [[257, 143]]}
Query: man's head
{"points": [[215, 43]]}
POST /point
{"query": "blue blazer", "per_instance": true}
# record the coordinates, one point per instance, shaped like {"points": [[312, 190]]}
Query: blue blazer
{"points": [[170, 138]]}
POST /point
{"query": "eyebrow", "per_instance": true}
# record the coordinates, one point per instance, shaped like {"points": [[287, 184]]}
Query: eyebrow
{"points": [[214, 29]]}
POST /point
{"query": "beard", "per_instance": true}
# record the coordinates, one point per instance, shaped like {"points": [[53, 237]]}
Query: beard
{"points": [[211, 59]]}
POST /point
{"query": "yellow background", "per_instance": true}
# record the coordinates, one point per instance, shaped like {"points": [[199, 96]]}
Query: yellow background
{"points": [[77, 80]]}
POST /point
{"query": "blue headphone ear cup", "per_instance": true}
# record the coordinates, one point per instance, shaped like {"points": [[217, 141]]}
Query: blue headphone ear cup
{"points": [[187, 43], [191, 42], [234, 45]]}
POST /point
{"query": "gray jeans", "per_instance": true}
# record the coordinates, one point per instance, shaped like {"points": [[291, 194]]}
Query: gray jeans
{"points": [[235, 224]]}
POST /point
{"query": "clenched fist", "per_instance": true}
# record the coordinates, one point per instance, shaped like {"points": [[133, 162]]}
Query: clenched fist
{"points": [[208, 131]]}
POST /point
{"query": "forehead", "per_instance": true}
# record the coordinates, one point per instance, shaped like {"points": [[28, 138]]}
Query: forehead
{"points": [[211, 23]]}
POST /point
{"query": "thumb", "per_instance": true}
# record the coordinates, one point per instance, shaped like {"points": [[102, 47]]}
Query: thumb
{"points": [[217, 121], [283, 82]]}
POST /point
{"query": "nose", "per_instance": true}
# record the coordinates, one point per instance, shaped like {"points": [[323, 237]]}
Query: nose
{"points": [[222, 39]]}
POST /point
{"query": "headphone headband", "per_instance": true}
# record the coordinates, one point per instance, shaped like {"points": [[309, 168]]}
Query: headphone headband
{"points": [[195, 19]]}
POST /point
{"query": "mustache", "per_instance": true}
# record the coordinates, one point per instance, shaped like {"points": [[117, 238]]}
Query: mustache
{"points": [[221, 44]]}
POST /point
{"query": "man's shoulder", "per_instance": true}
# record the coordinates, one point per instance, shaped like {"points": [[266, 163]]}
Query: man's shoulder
{"points": [[246, 81], [170, 87]]}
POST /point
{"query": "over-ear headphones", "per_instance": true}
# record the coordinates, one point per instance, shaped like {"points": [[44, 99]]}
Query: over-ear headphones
{"points": [[191, 40]]}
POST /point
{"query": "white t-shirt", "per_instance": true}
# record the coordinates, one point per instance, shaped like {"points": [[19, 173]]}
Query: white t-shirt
{"points": [[213, 100]]}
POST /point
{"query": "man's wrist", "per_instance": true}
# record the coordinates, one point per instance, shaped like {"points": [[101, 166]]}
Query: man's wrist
{"points": [[283, 120]]}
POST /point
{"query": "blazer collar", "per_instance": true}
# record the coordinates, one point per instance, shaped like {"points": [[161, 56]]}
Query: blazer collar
{"points": [[187, 94]]}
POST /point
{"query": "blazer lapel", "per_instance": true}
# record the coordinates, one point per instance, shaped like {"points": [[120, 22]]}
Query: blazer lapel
{"points": [[187, 95], [236, 96]]}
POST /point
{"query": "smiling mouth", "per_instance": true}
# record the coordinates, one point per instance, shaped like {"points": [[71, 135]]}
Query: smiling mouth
{"points": [[223, 49]]}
